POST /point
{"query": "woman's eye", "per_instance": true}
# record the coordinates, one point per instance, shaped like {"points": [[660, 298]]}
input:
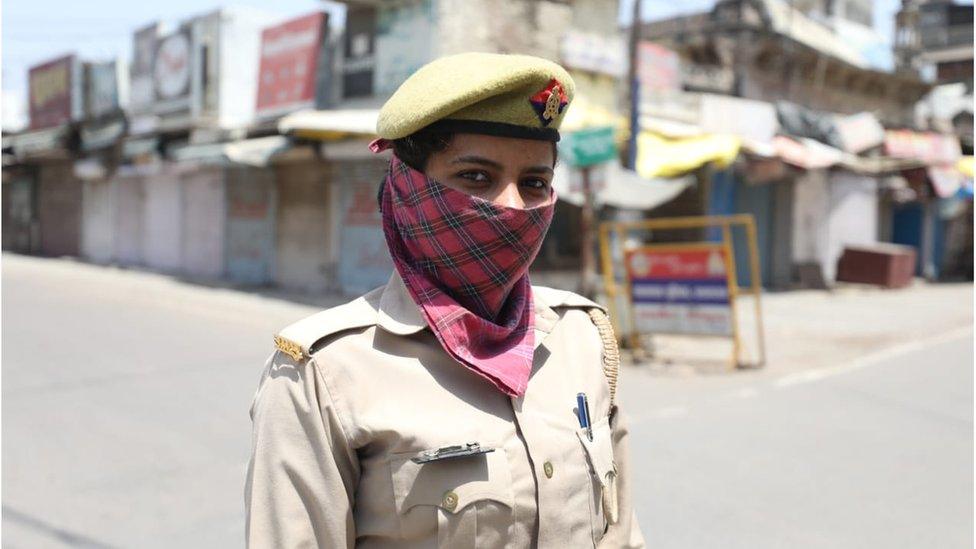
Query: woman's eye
{"points": [[536, 184], [478, 177]]}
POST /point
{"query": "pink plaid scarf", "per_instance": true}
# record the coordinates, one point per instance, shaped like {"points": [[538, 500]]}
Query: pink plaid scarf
{"points": [[465, 262]]}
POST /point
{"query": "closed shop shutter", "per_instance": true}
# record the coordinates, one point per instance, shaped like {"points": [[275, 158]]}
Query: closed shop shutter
{"points": [[98, 220], [18, 215], [163, 223], [364, 260], [250, 225], [305, 258], [204, 218], [59, 210], [129, 217]]}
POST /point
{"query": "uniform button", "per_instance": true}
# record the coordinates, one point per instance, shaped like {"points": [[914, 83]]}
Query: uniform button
{"points": [[547, 467], [450, 501]]}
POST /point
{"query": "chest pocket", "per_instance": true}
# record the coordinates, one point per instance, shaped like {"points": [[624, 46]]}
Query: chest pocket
{"points": [[603, 471], [461, 501]]}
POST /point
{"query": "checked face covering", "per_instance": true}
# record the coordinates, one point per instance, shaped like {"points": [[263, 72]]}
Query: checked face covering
{"points": [[465, 262]]}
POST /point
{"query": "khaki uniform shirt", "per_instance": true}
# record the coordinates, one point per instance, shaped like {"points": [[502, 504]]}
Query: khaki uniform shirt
{"points": [[361, 389]]}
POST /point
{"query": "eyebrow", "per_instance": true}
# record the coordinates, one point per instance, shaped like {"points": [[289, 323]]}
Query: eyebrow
{"points": [[492, 164], [539, 169]]}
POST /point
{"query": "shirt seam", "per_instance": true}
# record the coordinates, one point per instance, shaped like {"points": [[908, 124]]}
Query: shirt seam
{"points": [[339, 411]]}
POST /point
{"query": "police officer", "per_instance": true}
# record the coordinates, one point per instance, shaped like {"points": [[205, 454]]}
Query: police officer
{"points": [[457, 406]]}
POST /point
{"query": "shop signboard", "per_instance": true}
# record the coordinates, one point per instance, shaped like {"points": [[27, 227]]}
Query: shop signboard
{"points": [[680, 289], [589, 146], [140, 71], [406, 39], [103, 98], [928, 147], [359, 58], [594, 53], [292, 73], [746, 118], [172, 72], [658, 69], [55, 92], [712, 78], [102, 88]]}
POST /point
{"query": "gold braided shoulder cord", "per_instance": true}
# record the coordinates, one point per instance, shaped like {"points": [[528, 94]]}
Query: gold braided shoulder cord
{"points": [[289, 347], [611, 354], [611, 366]]}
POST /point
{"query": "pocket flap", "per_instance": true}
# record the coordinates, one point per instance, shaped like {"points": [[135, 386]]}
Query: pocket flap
{"points": [[451, 484], [599, 451]]}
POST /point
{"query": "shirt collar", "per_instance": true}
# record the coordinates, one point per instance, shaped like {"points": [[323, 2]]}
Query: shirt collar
{"points": [[400, 315], [545, 316]]}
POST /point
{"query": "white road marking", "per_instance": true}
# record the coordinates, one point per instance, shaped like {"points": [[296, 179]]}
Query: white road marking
{"points": [[871, 359], [742, 393], [877, 357]]}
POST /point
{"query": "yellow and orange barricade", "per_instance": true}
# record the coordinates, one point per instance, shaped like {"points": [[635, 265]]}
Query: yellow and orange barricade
{"points": [[686, 288]]}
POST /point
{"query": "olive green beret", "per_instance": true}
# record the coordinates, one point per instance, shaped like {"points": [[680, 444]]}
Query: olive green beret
{"points": [[488, 93]]}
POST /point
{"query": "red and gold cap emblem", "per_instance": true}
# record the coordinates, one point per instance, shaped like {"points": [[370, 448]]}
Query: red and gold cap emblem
{"points": [[549, 102]]}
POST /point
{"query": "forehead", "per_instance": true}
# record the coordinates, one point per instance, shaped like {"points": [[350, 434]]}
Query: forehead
{"points": [[505, 150]]}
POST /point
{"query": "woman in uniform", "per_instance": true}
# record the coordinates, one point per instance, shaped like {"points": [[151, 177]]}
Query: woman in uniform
{"points": [[457, 406]]}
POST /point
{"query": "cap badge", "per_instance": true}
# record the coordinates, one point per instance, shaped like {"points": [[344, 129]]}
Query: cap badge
{"points": [[549, 102]]}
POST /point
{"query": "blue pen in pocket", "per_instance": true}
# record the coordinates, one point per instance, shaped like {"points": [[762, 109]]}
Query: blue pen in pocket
{"points": [[583, 412]]}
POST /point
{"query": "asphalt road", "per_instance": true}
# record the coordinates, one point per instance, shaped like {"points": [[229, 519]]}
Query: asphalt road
{"points": [[124, 416], [872, 453]]}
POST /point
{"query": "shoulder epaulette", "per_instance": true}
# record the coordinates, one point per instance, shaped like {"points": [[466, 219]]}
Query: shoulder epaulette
{"points": [[298, 339]]}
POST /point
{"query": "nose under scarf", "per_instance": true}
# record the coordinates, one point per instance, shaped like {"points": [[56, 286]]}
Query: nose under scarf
{"points": [[465, 262]]}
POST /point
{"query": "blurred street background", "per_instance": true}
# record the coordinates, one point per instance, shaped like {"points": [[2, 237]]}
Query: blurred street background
{"points": [[775, 198], [125, 398]]}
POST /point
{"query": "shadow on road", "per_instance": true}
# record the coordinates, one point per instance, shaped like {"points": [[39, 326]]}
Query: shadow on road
{"points": [[69, 538]]}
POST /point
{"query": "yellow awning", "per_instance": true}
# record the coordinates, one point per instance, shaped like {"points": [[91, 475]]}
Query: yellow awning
{"points": [[329, 125], [965, 165], [658, 156]]}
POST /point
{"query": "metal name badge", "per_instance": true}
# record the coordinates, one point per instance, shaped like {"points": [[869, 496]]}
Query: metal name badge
{"points": [[451, 452]]}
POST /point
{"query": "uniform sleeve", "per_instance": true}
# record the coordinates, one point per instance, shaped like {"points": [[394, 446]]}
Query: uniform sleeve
{"points": [[302, 475], [626, 532]]}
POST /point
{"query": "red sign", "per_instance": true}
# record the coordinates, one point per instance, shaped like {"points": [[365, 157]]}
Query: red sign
{"points": [[50, 87], [677, 263], [929, 147], [658, 68], [289, 58]]}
